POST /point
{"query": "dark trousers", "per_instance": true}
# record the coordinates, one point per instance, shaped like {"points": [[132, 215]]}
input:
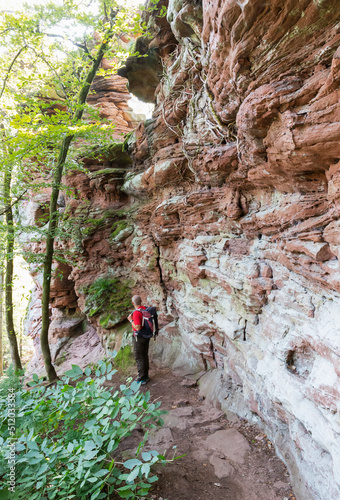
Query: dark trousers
{"points": [[140, 351]]}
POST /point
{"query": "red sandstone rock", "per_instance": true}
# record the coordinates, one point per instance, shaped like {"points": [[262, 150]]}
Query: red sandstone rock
{"points": [[318, 251], [230, 216]]}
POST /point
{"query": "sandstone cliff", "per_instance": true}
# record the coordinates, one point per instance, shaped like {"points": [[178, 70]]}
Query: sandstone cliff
{"points": [[224, 214]]}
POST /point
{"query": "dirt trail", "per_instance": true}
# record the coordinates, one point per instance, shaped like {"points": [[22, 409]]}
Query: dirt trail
{"points": [[225, 460]]}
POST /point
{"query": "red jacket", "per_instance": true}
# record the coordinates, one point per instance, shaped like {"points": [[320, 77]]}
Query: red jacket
{"points": [[137, 318]]}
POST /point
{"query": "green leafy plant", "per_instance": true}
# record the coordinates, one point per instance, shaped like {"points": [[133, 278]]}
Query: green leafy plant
{"points": [[68, 438], [11, 380]]}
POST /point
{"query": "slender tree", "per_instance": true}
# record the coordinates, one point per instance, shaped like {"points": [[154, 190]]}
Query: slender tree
{"points": [[1, 302], [49, 82], [58, 172], [10, 270], [1, 323], [9, 261]]}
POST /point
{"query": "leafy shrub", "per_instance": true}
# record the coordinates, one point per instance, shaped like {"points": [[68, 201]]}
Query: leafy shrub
{"points": [[12, 380], [66, 436]]}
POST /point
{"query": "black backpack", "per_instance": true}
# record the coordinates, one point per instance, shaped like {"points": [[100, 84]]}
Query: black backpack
{"points": [[150, 323], [153, 311]]}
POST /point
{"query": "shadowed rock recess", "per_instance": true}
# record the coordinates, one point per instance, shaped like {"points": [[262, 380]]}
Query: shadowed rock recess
{"points": [[223, 211]]}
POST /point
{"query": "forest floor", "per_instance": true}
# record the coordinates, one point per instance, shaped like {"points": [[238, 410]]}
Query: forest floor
{"points": [[224, 459]]}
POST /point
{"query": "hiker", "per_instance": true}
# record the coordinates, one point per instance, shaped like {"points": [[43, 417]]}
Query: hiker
{"points": [[142, 323], [140, 343]]}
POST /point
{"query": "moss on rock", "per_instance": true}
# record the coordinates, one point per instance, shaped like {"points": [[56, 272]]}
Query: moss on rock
{"points": [[110, 298], [124, 360], [113, 152], [118, 226]]}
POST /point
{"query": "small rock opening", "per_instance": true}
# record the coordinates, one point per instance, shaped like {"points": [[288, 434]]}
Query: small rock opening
{"points": [[300, 360], [142, 110], [42, 214]]}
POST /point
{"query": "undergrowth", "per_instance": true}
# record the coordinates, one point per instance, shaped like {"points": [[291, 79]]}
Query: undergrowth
{"points": [[66, 438]]}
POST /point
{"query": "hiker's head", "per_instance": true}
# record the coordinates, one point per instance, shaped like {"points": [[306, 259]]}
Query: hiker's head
{"points": [[136, 300]]}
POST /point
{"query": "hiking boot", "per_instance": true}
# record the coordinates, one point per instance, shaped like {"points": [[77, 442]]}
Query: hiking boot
{"points": [[144, 381]]}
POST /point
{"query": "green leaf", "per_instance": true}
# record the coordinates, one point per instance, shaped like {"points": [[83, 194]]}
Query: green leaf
{"points": [[145, 469], [135, 386], [146, 456], [32, 445], [152, 479], [42, 469], [101, 472], [77, 370], [35, 377], [36, 460], [132, 476], [99, 401], [126, 491], [126, 494], [90, 423], [95, 495], [154, 453], [111, 445], [99, 440], [129, 464], [89, 445], [90, 454]]}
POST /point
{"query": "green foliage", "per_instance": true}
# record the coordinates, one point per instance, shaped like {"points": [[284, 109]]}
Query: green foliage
{"points": [[114, 152], [129, 137], [108, 295], [81, 225], [67, 434], [124, 359], [11, 380], [46, 52], [118, 226]]}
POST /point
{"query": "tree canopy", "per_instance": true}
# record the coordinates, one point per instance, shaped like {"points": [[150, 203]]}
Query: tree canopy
{"points": [[51, 54]]}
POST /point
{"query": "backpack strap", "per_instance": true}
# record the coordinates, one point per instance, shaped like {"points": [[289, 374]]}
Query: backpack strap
{"points": [[153, 311], [143, 319]]}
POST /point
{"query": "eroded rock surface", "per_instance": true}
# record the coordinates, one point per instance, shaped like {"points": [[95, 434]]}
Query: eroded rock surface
{"points": [[228, 220]]}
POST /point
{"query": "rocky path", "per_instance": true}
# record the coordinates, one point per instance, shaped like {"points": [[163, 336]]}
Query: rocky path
{"points": [[225, 459]]}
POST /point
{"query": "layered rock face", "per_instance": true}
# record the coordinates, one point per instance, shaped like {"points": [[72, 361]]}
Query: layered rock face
{"points": [[228, 219]]}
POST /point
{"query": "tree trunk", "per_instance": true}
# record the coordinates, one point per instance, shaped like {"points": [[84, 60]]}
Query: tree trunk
{"points": [[21, 334], [9, 272], [58, 172]]}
